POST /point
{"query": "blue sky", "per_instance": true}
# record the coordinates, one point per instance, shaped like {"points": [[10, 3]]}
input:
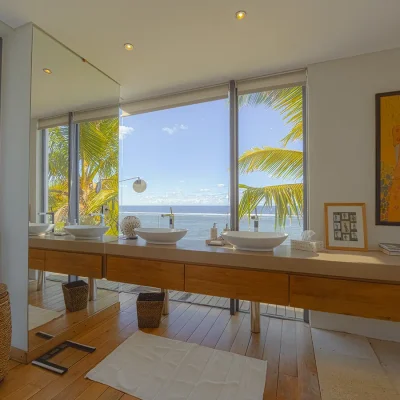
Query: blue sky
{"points": [[183, 152]]}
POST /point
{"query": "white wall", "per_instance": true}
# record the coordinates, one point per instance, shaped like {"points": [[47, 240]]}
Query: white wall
{"points": [[341, 146], [14, 175], [341, 155]]}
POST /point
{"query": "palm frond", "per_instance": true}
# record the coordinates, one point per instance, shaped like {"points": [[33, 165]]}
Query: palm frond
{"points": [[288, 101], [278, 163], [287, 199]]}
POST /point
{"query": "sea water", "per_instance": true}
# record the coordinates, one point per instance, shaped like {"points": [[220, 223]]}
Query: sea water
{"points": [[199, 219]]}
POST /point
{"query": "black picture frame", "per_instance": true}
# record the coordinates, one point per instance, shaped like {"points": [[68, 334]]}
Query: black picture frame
{"points": [[378, 220]]}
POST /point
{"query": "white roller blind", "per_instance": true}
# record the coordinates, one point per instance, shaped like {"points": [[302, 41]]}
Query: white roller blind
{"points": [[270, 82], [96, 114], [52, 122], [175, 100]]}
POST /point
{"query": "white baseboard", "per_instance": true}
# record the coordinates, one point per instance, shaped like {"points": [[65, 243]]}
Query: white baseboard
{"points": [[372, 328]]}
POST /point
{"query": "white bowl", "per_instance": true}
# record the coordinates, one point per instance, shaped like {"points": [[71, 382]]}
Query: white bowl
{"points": [[255, 241], [161, 235], [36, 229], [87, 231]]}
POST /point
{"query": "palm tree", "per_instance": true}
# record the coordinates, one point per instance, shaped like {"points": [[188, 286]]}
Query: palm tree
{"points": [[279, 163], [98, 159]]}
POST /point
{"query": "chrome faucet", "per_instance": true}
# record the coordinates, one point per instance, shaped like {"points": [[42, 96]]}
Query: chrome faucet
{"points": [[101, 214], [51, 215], [256, 221], [171, 218]]}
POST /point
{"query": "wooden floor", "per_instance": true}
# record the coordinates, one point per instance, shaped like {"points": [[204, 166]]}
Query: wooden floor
{"points": [[287, 345], [194, 298]]}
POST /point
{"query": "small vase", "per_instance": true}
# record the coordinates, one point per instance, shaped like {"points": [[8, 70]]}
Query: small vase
{"points": [[128, 226]]}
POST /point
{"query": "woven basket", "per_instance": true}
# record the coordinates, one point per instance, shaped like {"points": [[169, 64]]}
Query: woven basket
{"points": [[149, 309], [5, 330], [75, 295]]}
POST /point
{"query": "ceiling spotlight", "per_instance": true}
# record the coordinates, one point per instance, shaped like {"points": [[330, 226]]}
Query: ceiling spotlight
{"points": [[240, 15], [128, 46], [47, 71]]}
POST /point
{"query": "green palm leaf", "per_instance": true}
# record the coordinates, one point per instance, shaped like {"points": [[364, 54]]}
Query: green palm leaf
{"points": [[287, 199], [288, 101], [278, 163]]}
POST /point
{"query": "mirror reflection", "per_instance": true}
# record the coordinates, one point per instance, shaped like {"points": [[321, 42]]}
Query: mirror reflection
{"points": [[74, 147]]}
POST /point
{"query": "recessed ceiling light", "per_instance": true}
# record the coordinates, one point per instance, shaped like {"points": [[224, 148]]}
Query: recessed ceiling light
{"points": [[47, 71], [240, 15], [128, 46]]}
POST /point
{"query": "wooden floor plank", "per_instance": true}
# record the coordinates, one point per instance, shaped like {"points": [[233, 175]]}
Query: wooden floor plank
{"points": [[308, 385], [202, 330], [288, 356], [272, 350], [242, 339], [255, 348]]}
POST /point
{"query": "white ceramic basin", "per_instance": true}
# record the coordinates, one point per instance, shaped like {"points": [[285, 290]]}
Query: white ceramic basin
{"points": [[87, 231], [255, 241], [161, 235], [36, 229]]}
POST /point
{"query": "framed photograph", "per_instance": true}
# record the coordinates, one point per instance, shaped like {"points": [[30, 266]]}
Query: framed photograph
{"points": [[387, 158], [346, 226]]}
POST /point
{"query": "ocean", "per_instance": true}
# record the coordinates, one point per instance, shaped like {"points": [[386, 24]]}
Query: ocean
{"points": [[200, 219]]}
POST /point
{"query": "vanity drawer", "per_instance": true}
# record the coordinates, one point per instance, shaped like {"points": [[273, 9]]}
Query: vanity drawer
{"points": [[267, 287], [36, 259], [87, 265], [363, 299], [158, 274]]}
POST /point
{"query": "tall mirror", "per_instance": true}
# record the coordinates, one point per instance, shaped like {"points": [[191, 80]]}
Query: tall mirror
{"points": [[74, 145]]}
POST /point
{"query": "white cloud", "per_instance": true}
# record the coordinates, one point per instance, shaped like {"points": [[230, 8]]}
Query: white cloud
{"points": [[170, 131], [205, 190], [175, 128], [125, 131], [221, 185]]}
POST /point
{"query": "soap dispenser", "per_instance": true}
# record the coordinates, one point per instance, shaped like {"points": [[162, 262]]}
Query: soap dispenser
{"points": [[214, 232]]}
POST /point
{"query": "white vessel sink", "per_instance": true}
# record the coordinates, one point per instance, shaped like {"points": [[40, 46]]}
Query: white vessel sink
{"points": [[255, 241], [161, 235], [36, 229], [87, 231]]}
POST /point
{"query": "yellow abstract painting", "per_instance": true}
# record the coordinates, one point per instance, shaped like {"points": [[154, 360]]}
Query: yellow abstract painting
{"points": [[388, 158]]}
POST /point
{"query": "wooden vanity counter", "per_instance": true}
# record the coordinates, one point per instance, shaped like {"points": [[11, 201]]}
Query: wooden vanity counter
{"points": [[65, 255], [372, 265], [353, 283]]}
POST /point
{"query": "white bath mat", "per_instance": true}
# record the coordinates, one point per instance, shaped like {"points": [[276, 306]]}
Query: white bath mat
{"points": [[155, 368], [348, 368], [40, 316]]}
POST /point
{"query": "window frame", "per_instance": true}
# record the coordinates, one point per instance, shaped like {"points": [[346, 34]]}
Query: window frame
{"points": [[73, 161]]}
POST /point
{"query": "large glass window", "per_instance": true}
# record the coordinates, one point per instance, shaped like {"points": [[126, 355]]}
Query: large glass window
{"points": [[271, 160], [183, 154], [98, 172], [57, 172]]}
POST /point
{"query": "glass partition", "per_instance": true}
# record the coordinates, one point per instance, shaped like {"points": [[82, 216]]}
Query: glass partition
{"points": [[74, 146]]}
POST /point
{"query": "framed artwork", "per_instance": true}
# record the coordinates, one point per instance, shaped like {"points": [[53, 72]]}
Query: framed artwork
{"points": [[387, 205], [346, 226]]}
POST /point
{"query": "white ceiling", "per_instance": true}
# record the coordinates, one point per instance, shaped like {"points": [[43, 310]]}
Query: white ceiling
{"points": [[74, 85], [181, 44]]}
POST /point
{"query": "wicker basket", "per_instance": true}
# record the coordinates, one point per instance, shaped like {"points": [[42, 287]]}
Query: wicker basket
{"points": [[5, 330], [149, 309], [75, 295]]}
